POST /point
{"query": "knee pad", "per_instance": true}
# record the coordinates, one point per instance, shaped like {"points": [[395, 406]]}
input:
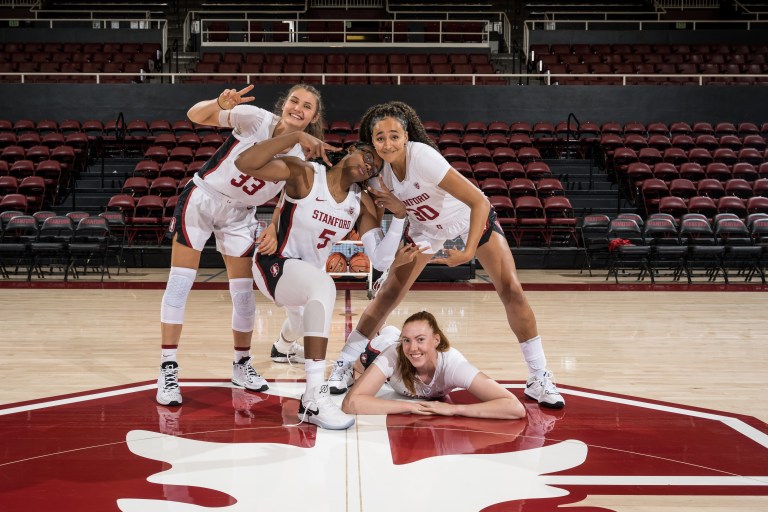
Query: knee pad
{"points": [[243, 304], [177, 289], [319, 308], [390, 331]]}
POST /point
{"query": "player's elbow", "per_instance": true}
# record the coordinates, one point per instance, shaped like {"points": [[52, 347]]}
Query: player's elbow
{"points": [[348, 404], [241, 162], [514, 409], [352, 403]]}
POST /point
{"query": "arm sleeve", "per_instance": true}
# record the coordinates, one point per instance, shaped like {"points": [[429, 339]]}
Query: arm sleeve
{"points": [[380, 248]]}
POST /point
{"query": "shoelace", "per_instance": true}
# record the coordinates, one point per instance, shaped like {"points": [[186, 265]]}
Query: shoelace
{"points": [[252, 374], [549, 385], [303, 416], [294, 350], [338, 371], [170, 378]]}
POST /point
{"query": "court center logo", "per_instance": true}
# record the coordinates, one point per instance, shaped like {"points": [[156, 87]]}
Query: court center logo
{"points": [[233, 450]]}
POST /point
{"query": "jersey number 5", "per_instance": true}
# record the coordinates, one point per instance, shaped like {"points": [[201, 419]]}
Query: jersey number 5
{"points": [[325, 237], [249, 189]]}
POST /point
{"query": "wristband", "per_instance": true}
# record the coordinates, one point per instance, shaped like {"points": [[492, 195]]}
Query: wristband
{"points": [[219, 104]]}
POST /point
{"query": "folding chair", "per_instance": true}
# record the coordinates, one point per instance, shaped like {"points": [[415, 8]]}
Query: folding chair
{"points": [[17, 233], [631, 258], [594, 240], [660, 233], [88, 248], [51, 249]]}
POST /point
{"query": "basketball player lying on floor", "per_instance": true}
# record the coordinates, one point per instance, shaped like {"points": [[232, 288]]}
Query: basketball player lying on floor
{"points": [[420, 363], [318, 208]]}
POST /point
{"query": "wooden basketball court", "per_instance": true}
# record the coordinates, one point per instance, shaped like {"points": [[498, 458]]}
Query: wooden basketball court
{"points": [[675, 368]]}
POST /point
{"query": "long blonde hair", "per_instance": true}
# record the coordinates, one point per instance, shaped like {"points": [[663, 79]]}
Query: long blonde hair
{"points": [[404, 366], [314, 128]]}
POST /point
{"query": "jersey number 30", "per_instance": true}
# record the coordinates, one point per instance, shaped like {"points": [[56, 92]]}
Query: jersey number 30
{"points": [[424, 213]]}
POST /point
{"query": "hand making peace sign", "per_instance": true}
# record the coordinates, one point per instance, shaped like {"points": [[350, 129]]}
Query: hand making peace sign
{"points": [[230, 98]]}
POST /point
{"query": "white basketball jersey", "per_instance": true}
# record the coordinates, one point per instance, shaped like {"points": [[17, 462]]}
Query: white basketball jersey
{"points": [[251, 125], [430, 209], [453, 371], [309, 227]]}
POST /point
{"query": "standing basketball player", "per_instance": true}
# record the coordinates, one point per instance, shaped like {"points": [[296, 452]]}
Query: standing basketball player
{"points": [[441, 205], [221, 200], [319, 207]]}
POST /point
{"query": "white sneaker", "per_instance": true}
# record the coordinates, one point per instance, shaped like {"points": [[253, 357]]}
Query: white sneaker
{"points": [[294, 355], [168, 391], [244, 375], [342, 377], [543, 390], [322, 411]]}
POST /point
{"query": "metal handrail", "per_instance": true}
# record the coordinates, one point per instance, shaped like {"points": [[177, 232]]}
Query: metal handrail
{"points": [[635, 25], [244, 37], [544, 78]]}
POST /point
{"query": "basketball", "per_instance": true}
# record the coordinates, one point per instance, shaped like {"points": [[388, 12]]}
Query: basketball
{"points": [[352, 235], [336, 263], [359, 263]]}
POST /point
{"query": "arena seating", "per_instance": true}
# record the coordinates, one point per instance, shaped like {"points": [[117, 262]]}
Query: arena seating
{"points": [[129, 59], [678, 61]]}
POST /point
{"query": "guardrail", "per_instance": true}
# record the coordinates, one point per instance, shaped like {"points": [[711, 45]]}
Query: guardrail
{"points": [[512, 78], [101, 24], [397, 31], [635, 25]]}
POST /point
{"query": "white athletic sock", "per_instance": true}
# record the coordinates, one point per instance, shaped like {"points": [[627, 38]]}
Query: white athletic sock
{"points": [[240, 354], [355, 345], [533, 352], [168, 354], [315, 371]]}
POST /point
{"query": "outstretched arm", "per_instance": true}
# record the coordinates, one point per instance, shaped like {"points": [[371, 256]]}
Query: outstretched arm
{"points": [[259, 154], [207, 112], [361, 398], [495, 402]]}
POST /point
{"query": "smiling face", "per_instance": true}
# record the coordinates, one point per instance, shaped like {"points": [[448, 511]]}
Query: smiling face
{"points": [[299, 109], [419, 344], [389, 138], [363, 164]]}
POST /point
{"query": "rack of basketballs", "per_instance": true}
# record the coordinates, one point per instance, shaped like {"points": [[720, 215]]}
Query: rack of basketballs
{"points": [[348, 259]]}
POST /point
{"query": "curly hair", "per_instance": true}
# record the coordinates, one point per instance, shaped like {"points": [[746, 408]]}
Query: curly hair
{"points": [[315, 128], [337, 156], [404, 366], [405, 115]]}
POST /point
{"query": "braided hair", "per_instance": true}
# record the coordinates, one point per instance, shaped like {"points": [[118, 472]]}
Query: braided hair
{"points": [[405, 115], [337, 156], [315, 128]]}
